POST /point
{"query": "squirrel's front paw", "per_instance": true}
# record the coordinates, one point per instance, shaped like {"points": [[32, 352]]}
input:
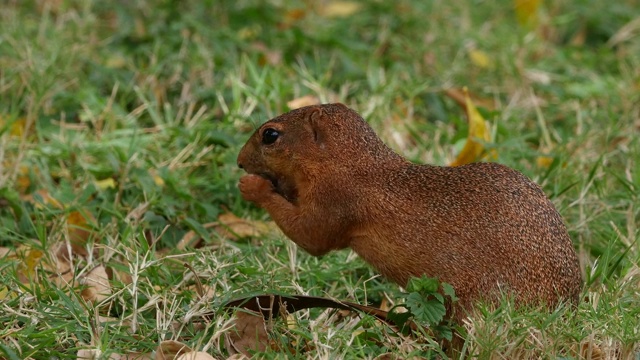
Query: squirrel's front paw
{"points": [[255, 188]]}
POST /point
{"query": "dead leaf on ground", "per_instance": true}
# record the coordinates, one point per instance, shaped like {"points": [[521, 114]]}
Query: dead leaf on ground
{"points": [[480, 58], [29, 259], [79, 228], [96, 354], [41, 198], [171, 349], [195, 355], [527, 12], [249, 334], [98, 287], [108, 183], [251, 330], [336, 9], [478, 135], [17, 127], [303, 101], [459, 95], [228, 226]]}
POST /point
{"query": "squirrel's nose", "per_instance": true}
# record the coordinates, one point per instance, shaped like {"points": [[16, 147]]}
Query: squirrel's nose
{"points": [[240, 166]]}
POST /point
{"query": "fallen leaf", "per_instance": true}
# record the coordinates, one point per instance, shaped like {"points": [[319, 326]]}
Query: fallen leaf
{"points": [[79, 228], [171, 349], [234, 227], [97, 285], [335, 9], [41, 198], [195, 355], [23, 181], [459, 95], [480, 58], [544, 161], [29, 259], [303, 101], [230, 227], [89, 354], [249, 334], [527, 12], [157, 179], [294, 15], [16, 128], [478, 130], [108, 183]]}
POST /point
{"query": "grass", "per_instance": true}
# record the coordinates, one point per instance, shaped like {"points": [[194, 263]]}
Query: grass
{"points": [[130, 116]]}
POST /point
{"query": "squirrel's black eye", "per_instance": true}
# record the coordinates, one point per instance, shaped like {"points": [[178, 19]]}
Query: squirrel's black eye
{"points": [[269, 136]]}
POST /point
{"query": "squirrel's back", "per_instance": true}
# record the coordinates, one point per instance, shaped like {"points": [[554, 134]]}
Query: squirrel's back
{"points": [[482, 227]]}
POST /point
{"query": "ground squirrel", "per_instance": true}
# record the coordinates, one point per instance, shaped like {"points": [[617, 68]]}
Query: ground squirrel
{"points": [[329, 183]]}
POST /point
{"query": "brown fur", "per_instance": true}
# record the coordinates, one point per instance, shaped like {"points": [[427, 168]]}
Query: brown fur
{"points": [[330, 183]]}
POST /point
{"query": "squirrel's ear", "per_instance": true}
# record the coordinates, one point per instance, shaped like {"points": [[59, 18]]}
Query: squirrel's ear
{"points": [[315, 119]]}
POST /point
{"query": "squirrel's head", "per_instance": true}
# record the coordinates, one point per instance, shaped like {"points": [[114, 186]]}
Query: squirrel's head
{"points": [[310, 140]]}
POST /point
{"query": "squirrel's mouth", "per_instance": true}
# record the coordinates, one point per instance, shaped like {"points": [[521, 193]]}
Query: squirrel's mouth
{"points": [[283, 187], [271, 178]]}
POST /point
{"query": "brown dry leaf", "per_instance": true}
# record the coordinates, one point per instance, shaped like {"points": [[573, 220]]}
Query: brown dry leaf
{"points": [[459, 95], [79, 228], [120, 275], [171, 349], [335, 9], [303, 101], [60, 269], [230, 227], [96, 354], [41, 198], [195, 355], [527, 12], [294, 15], [89, 354], [23, 181], [250, 334], [589, 350], [30, 258], [234, 227], [98, 287], [478, 130], [4, 252]]}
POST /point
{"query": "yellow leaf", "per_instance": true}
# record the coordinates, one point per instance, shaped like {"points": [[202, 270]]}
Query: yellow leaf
{"points": [[17, 127], [478, 130], [544, 161], [108, 183], [29, 260], [336, 9], [480, 59], [527, 12], [157, 179], [79, 228]]}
